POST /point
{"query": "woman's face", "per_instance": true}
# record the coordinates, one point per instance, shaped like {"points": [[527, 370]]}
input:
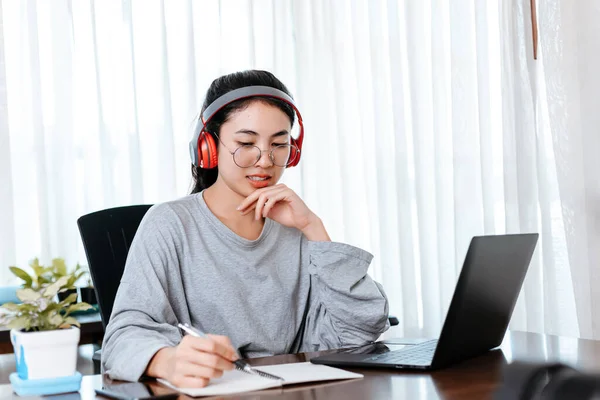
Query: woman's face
{"points": [[259, 124]]}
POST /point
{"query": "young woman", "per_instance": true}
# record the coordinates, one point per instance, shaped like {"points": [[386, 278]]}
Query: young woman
{"points": [[242, 257]]}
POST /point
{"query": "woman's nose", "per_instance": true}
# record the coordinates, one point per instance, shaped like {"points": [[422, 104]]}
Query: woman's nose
{"points": [[265, 159]]}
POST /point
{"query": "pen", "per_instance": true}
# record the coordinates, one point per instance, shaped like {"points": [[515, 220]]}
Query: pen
{"points": [[239, 364]]}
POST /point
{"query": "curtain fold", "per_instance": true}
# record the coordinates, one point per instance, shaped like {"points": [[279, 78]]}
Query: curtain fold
{"points": [[8, 250], [427, 123], [570, 54]]}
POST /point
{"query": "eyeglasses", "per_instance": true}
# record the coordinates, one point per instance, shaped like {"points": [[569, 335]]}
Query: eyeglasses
{"points": [[248, 155]]}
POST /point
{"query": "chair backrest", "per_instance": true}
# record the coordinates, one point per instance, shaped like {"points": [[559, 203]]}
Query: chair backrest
{"points": [[106, 237]]}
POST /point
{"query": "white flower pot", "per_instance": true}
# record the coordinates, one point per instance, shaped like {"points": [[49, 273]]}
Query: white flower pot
{"points": [[45, 354]]}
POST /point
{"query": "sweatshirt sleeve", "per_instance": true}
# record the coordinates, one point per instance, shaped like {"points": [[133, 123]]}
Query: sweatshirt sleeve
{"points": [[346, 307], [143, 320]]}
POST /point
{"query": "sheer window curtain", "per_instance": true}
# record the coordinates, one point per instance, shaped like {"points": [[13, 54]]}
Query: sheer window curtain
{"points": [[569, 108], [428, 122]]}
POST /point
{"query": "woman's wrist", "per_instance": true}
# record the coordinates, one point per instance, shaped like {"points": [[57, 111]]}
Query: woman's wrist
{"points": [[159, 364], [315, 231]]}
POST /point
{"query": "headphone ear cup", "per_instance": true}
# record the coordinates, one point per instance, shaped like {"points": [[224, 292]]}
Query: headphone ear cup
{"points": [[207, 151], [294, 154]]}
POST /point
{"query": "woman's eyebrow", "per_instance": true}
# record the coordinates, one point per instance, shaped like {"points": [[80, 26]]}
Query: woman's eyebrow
{"points": [[253, 133]]}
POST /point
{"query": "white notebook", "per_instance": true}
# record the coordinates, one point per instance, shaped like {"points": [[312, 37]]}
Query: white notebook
{"points": [[237, 382]]}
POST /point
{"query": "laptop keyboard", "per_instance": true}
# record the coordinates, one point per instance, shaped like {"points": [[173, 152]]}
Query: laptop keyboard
{"points": [[418, 354]]}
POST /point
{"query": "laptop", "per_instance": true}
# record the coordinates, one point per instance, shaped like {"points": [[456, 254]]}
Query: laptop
{"points": [[484, 299]]}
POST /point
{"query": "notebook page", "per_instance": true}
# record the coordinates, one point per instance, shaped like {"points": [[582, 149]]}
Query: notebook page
{"points": [[231, 382], [307, 372], [237, 382]]}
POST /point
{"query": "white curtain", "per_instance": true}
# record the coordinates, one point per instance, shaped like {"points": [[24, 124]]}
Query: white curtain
{"points": [[570, 46], [428, 122]]}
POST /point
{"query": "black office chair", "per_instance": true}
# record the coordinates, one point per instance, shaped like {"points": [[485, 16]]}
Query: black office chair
{"points": [[106, 236]]}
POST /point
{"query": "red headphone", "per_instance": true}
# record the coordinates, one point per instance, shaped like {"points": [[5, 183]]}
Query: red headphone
{"points": [[203, 149]]}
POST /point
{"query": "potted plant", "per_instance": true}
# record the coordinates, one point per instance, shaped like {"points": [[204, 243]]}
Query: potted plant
{"points": [[45, 338], [59, 269], [44, 275], [43, 332], [41, 276]]}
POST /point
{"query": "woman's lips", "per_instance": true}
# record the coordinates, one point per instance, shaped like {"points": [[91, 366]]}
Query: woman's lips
{"points": [[259, 181]]}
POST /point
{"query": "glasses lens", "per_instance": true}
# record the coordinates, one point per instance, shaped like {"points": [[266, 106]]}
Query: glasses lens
{"points": [[281, 155], [246, 156]]}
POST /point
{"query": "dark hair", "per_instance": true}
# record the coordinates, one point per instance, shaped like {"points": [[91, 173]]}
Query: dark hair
{"points": [[204, 178]]}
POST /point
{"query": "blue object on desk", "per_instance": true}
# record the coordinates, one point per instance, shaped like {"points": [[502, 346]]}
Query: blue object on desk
{"points": [[30, 387], [8, 294]]}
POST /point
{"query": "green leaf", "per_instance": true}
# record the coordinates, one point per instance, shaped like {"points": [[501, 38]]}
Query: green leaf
{"points": [[71, 282], [11, 306], [22, 275], [38, 270], [45, 280], [78, 307], [55, 320], [70, 299], [36, 267], [28, 294], [27, 307], [55, 287], [54, 307], [20, 323], [60, 266]]}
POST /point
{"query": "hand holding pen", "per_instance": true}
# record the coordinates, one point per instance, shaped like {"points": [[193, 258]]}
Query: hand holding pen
{"points": [[194, 361], [239, 364]]}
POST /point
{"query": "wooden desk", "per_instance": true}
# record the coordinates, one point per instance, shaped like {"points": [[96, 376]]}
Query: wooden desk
{"points": [[477, 378], [92, 331]]}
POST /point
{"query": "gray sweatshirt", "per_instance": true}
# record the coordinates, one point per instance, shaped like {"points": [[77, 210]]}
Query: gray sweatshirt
{"points": [[280, 293]]}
